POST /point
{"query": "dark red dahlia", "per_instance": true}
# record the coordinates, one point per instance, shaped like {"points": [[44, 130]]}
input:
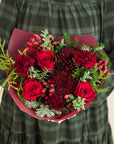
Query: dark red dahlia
{"points": [[22, 64], [65, 57], [63, 81], [56, 101], [85, 58]]}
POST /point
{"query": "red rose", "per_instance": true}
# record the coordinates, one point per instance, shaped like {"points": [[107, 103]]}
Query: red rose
{"points": [[45, 60], [31, 89], [22, 64], [85, 90], [56, 101], [85, 58]]}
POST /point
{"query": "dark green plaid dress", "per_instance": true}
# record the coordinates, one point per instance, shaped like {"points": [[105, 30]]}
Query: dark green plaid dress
{"points": [[76, 17]]}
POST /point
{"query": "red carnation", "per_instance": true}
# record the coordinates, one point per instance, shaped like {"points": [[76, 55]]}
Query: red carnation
{"points": [[56, 101], [85, 58], [63, 81], [31, 89], [85, 90], [45, 60], [32, 51], [22, 64]]}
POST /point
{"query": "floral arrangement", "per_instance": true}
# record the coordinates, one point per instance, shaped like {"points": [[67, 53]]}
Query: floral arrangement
{"points": [[56, 77]]}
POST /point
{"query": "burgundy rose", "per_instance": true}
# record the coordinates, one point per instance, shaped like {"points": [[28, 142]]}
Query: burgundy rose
{"points": [[22, 64], [85, 90], [56, 101], [31, 89], [45, 60], [85, 58]]}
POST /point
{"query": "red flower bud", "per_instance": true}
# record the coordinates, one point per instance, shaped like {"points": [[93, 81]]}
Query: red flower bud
{"points": [[68, 105], [105, 67], [54, 43], [29, 44], [51, 85], [49, 81], [100, 67], [105, 62], [43, 90], [66, 97], [100, 61], [51, 36], [36, 35], [32, 39], [51, 90], [44, 83], [50, 94], [35, 43], [38, 38], [107, 73]]}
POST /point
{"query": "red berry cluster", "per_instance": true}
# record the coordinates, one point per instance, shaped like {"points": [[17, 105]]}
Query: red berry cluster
{"points": [[35, 41], [66, 97], [54, 43], [102, 67], [49, 87]]}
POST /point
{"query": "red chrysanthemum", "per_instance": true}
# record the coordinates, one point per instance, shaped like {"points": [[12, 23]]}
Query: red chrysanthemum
{"points": [[65, 57], [63, 82], [22, 64], [85, 58], [56, 101]]}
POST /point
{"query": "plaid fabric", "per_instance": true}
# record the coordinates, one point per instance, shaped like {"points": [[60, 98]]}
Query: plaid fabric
{"points": [[76, 17]]}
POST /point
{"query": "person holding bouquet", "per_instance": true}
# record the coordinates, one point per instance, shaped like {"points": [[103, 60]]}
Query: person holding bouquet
{"points": [[75, 17]]}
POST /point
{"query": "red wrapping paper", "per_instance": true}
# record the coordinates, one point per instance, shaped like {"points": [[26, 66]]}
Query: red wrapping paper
{"points": [[17, 41]]}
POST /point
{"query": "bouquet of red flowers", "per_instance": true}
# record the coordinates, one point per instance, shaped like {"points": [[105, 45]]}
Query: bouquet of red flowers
{"points": [[54, 78]]}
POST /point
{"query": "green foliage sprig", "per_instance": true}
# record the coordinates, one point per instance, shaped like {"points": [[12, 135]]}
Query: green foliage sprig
{"points": [[47, 41], [79, 71], [6, 62], [38, 74], [45, 111]]}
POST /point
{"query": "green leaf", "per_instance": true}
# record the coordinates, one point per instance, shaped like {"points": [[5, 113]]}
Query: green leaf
{"points": [[45, 111], [102, 56], [32, 104], [62, 42], [98, 47], [71, 96], [86, 47], [67, 38], [86, 76], [79, 103], [75, 43]]}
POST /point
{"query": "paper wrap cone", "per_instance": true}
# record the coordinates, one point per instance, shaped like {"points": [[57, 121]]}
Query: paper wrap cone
{"points": [[17, 41]]}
